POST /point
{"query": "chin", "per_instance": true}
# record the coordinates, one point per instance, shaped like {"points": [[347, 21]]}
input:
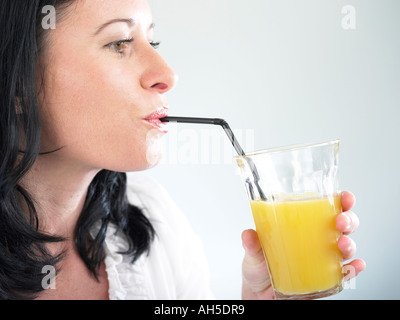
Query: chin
{"points": [[153, 159], [139, 156], [149, 160], [154, 148]]}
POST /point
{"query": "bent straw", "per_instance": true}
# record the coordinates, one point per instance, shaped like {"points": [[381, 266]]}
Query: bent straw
{"points": [[232, 138]]}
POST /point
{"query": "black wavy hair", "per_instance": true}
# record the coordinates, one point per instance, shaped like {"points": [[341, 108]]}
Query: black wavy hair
{"points": [[23, 248]]}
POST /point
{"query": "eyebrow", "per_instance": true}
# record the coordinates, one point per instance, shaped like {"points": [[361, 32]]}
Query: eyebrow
{"points": [[104, 25], [130, 22]]}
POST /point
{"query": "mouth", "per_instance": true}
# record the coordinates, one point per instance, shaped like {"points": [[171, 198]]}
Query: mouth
{"points": [[154, 119]]}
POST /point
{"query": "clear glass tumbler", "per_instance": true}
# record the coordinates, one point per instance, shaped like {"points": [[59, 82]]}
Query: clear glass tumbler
{"points": [[294, 197]]}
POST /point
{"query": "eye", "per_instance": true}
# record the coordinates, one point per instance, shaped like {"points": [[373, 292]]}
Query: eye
{"points": [[119, 46]]}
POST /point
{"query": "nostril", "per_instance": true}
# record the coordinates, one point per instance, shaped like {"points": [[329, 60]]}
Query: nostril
{"points": [[160, 86]]}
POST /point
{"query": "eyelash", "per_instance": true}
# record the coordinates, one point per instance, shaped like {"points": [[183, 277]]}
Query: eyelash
{"points": [[154, 44]]}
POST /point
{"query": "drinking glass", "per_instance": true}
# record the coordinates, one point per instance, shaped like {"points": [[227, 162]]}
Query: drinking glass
{"points": [[294, 197]]}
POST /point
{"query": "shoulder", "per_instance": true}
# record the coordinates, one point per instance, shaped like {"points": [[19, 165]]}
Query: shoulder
{"points": [[142, 188], [149, 195], [154, 200], [177, 248]]}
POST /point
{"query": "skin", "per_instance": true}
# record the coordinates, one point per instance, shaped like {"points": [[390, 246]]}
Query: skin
{"points": [[93, 105]]}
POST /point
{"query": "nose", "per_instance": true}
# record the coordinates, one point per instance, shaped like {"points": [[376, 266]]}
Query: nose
{"points": [[158, 75]]}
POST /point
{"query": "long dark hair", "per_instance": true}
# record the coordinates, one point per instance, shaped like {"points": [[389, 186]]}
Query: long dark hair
{"points": [[23, 250]]}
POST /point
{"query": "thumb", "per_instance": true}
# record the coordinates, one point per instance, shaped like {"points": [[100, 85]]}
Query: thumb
{"points": [[251, 245]]}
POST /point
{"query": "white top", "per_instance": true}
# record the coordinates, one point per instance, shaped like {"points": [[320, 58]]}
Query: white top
{"points": [[176, 267]]}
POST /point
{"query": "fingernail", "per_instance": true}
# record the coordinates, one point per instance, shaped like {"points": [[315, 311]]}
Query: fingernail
{"points": [[348, 221]]}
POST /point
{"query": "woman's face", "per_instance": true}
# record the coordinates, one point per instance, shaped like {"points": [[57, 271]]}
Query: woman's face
{"points": [[102, 79]]}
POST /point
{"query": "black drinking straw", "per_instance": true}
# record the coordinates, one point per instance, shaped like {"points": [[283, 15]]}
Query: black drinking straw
{"points": [[232, 138]]}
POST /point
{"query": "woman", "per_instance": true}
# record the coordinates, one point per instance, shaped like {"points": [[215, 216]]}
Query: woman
{"points": [[80, 103]]}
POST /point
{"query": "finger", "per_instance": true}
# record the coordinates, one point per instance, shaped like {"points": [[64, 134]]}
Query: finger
{"points": [[347, 222], [353, 268], [348, 200], [347, 246]]}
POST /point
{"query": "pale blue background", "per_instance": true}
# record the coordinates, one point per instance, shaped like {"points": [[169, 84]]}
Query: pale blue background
{"points": [[288, 71]]}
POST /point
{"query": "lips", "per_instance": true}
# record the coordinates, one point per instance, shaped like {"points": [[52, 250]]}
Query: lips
{"points": [[154, 119]]}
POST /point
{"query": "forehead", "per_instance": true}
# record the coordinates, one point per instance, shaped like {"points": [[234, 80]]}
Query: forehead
{"points": [[91, 14]]}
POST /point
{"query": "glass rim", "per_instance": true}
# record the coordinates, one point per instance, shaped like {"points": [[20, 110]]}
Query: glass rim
{"points": [[288, 148]]}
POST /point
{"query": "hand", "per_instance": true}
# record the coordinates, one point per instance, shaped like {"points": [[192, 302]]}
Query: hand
{"points": [[255, 276]]}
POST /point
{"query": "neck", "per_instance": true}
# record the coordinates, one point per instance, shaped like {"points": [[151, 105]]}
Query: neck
{"points": [[59, 189]]}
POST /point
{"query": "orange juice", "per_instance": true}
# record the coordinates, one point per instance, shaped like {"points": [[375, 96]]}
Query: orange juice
{"points": [[299, 240]]}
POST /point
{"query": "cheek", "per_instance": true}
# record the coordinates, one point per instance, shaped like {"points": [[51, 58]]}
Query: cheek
{"points": [[95, 113]]}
